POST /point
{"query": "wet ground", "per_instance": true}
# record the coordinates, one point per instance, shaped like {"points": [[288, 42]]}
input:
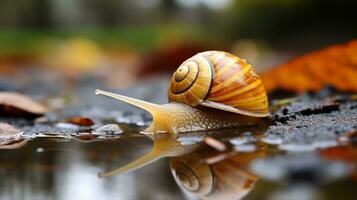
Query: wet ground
{"points": [[306, 150]]}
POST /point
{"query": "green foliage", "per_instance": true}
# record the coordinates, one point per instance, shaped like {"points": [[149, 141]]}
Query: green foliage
{"points": [[140, 38]]}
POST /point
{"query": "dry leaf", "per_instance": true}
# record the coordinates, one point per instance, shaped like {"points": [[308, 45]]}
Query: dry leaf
{"points": [[14, 104], [81, 121], [335, 66], [342, 153]]}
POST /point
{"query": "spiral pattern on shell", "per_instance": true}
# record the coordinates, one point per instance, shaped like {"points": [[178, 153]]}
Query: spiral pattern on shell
{"points": [[226, 179], [220, 80], [192, 175], [190, 83]]}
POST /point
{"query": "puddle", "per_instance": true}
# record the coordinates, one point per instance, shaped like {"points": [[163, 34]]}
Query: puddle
{"points": [[183, 166]]}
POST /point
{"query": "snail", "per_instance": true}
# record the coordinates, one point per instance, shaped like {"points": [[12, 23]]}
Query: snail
{"points": [[211, 90], [226, 179]]}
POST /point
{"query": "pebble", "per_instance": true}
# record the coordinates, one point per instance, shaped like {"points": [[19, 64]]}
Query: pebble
{"points": [[109, 129]]}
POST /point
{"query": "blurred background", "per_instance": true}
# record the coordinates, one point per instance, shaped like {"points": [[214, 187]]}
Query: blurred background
{"points": [[59, 51], [142, 38]]}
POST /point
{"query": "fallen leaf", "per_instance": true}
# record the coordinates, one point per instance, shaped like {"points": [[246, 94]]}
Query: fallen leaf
{"points": [[81, 121], [343, 153], [335, 66], [18, 105], [346, 154]]}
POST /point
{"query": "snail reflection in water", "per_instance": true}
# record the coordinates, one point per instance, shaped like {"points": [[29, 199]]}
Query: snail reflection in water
{"points": [[197, 170], [225, 179], [211, 90]]}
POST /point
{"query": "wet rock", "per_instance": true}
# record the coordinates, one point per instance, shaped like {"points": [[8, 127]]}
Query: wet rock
{"points": [[10, 137], [7, 130], [109, 129], [246, 137], [43, 129]]}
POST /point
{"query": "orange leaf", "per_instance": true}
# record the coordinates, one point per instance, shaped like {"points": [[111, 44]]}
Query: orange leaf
{"points": [[335, 66], [81, 121]]}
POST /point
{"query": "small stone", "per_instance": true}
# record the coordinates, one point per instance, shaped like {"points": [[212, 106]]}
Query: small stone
{"points": [[10, 137], [109, 129], [6, 130]]}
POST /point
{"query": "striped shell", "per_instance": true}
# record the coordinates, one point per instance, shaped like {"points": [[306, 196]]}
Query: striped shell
{"points": [[219, 80], [210, 179]]}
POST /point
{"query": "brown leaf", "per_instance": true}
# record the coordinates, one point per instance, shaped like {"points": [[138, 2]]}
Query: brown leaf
{"points": [[335, 66], [342, 153], [18, 105], [81, 121]]}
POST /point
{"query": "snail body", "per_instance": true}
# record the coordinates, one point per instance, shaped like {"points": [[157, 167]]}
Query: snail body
{"points": [[211, 90]]}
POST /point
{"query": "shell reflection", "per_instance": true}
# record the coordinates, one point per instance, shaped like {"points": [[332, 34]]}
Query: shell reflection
{"points": [[199, 169], [228, 178]]}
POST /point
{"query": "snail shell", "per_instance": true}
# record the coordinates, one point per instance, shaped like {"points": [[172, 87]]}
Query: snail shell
{"points": [[219, 80]]}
